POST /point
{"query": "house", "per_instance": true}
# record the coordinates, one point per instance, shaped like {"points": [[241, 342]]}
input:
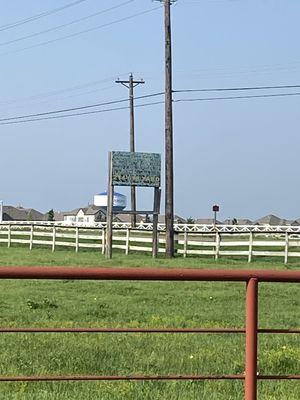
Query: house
{"points": [[239, 221], [177, 219], [58, 216], [296, 222], [272, 220], [11, 213], [86, 215], [207, 221], [126, 218]]}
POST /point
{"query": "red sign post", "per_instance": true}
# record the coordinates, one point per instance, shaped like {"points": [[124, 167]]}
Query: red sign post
{"points": [[215, 209]]}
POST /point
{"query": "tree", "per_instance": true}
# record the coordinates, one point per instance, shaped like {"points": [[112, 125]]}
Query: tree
{"points": [[50, 215], [190, 220]]}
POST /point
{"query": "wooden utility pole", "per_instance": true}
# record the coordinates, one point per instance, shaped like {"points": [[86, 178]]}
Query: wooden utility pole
{"points": [[131, 84], [169, 169]]}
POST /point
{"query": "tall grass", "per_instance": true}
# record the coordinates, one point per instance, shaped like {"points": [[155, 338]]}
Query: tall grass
{"points": [[141, 304]]}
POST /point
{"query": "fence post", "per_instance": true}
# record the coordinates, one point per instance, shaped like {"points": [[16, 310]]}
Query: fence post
{"points": [[185, 244], [250, 247], [176, 239], [251, 339], [9, 236], [76, 239], [31, 237], [127, 241], [218, 240], [103, 240], [53, 238], [286, 248]]}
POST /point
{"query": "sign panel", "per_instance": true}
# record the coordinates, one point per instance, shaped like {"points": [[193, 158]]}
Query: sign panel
{"points": [[135, 169]]}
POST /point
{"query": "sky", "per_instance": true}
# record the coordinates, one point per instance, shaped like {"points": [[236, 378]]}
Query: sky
{"points": [[239, 153]]}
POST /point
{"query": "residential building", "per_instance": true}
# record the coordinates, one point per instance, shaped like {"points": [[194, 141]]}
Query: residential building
{"points": [[207, 221], [11, 213], [85, 215], [272, 220], [177, 219], [126, 218], [239, 221]]}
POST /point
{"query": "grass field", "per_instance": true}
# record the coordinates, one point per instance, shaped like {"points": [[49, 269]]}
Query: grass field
{"points": [[146, 304]]}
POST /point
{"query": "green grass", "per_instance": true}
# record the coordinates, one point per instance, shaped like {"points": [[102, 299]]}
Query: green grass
{"points": [[146, 304]]}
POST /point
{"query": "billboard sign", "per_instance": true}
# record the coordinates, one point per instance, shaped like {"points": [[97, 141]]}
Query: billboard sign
{"points": [[135, 169]]}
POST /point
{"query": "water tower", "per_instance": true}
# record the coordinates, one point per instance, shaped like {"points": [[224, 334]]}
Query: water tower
{"points": [[119, 202]]}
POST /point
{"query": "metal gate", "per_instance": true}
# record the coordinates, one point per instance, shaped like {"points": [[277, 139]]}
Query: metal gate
{"points": [[252, 278]]}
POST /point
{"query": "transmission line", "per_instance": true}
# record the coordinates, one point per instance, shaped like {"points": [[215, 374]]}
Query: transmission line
{"points": [[75, 21], [237, 88], [61, 91], [238, 97], [79, 108], [52, 114], [38, 16], [96, 82], [117, 21], [83, 113]]}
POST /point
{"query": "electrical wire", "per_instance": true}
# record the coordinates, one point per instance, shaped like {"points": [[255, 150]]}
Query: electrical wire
{"points": [[45, 43], [66, 24], [62, 91], [161, 93], [47, 116], [258, 96], [38, 16], [79, 108], [83, 113], [238, 89]]}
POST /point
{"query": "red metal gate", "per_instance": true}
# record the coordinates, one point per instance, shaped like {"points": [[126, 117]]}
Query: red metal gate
{"points": [[251, 330]]}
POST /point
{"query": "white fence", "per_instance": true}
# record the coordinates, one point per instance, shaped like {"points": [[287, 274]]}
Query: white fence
{"points": [[196, 228], [208, 242]]}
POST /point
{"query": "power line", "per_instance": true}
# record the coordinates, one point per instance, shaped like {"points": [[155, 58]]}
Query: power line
{"points": [[38, 16], [83, 113], [83, 31], [228, 71], [238, 97], [108, 79], [55, 28], [61, 91], [49, 115], [79, 108], [60, 99], [238, 89]]}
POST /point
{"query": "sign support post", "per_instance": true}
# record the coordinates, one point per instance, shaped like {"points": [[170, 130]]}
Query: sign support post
{"points": [[215, 209], [156, 208], [109, 216]]}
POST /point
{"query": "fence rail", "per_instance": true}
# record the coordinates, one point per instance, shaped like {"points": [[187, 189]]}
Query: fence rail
{"points": [[252, 278], [285, 245], [192, 228]]}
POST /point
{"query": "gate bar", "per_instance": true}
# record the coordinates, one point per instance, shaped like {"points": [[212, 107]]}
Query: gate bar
{"points": [[147, 274], [141, 330]]}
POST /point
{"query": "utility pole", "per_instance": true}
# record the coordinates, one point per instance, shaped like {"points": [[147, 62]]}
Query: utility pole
{"points": [[131, 84], [169, 168]]}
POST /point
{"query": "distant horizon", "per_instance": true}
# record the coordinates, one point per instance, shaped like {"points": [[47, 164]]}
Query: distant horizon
{"points": [[221, 219], [240, 153]]}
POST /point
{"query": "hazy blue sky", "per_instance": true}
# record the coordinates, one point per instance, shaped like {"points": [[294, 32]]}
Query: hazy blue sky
{"points": [[241, 154]]}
